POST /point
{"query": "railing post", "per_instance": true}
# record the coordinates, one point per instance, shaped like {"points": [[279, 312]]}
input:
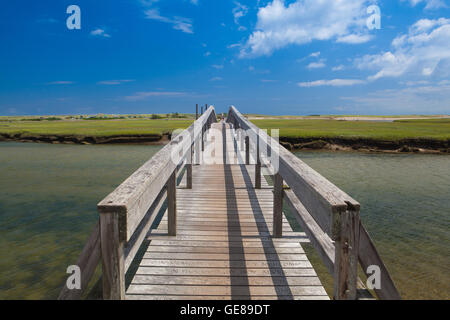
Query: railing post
{"points": [[197, 151], [172, 204], [247, 150], [196, 111], [277, 206], [203, 138], [113, 267], [346, 226], [189, 168], [257, 166]]}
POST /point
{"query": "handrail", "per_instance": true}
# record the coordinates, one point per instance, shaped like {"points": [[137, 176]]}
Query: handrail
{"points": [[128, 212], [328, 215]]}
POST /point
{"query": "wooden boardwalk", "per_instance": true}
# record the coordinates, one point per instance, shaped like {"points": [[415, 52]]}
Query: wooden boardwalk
{"points": [[224, 247], [224, 234]]}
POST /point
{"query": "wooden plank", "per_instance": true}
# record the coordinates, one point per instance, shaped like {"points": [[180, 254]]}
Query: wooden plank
{"points": [[222, 244], [234, 297], [198, 249], [113, 268], [141, 232], [134, 196], [225, 263], [225, 290], [368, 255], [172, 205], [307, 271], [278, 206], [346, 256], [225, 280], [319, 196], [225, 256], [320, 240], [226, 238], [87, 262]]}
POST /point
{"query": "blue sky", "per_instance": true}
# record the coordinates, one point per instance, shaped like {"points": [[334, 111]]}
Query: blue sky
{"points": [[294, 57]]}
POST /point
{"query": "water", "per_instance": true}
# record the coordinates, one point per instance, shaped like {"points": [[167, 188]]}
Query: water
{"points": [[48, 197], [405, 206]]}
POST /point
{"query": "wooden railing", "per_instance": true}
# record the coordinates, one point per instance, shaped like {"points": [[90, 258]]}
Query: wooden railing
{"points": [[328, 215], [128, 212]]}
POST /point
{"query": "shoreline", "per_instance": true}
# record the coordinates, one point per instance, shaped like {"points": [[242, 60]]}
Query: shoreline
{"points": [[418, 145]]}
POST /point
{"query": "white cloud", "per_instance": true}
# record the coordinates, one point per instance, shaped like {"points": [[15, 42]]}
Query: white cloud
{"points": [[338, 68], [332, 83], [316, 65], [239, 11], [178, 23], [315, 54], [424, 50], [146, 94], [216, 79], [114, 82], [60, 82], [217, 66], [303, 21], [207, 54], [234, 45], [100, 33], [430, 4], [354, 38], [433, 98], [194, 2]]}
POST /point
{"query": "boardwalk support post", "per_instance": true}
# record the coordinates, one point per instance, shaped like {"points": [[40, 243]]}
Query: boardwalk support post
{"points": [[277, 206], [189, 168], [196, 111], [247, 150], [113, 268], [172, 204], [346, 236], [257, 166]]}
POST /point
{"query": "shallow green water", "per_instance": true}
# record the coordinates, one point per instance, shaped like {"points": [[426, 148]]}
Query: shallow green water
{"points": [[48, 197], [405, 206]]}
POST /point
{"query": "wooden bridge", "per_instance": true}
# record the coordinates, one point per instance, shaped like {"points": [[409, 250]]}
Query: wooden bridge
{"points": [[203, 219]]}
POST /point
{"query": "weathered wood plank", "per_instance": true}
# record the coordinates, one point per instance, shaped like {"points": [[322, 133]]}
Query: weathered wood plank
{"points": [[113, 268], [135, 195], [87, 262], [306, 271], [225, 280], [172, 205], [346, 256], [226, 290], [368, 255]]}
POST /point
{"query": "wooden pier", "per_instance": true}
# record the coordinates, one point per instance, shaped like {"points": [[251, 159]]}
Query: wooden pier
{"points": [[203, 219]]}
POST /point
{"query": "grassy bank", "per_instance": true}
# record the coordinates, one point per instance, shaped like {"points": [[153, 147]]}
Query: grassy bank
{"points": [[437, 129], [399, 135], [93, 128]]}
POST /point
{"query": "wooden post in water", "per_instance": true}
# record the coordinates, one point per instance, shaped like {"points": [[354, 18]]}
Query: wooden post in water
{"points": [[257, 166], [277, 206], [196, 111], [247, 150], [346, 254], [113, 267], [172, 204]]}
